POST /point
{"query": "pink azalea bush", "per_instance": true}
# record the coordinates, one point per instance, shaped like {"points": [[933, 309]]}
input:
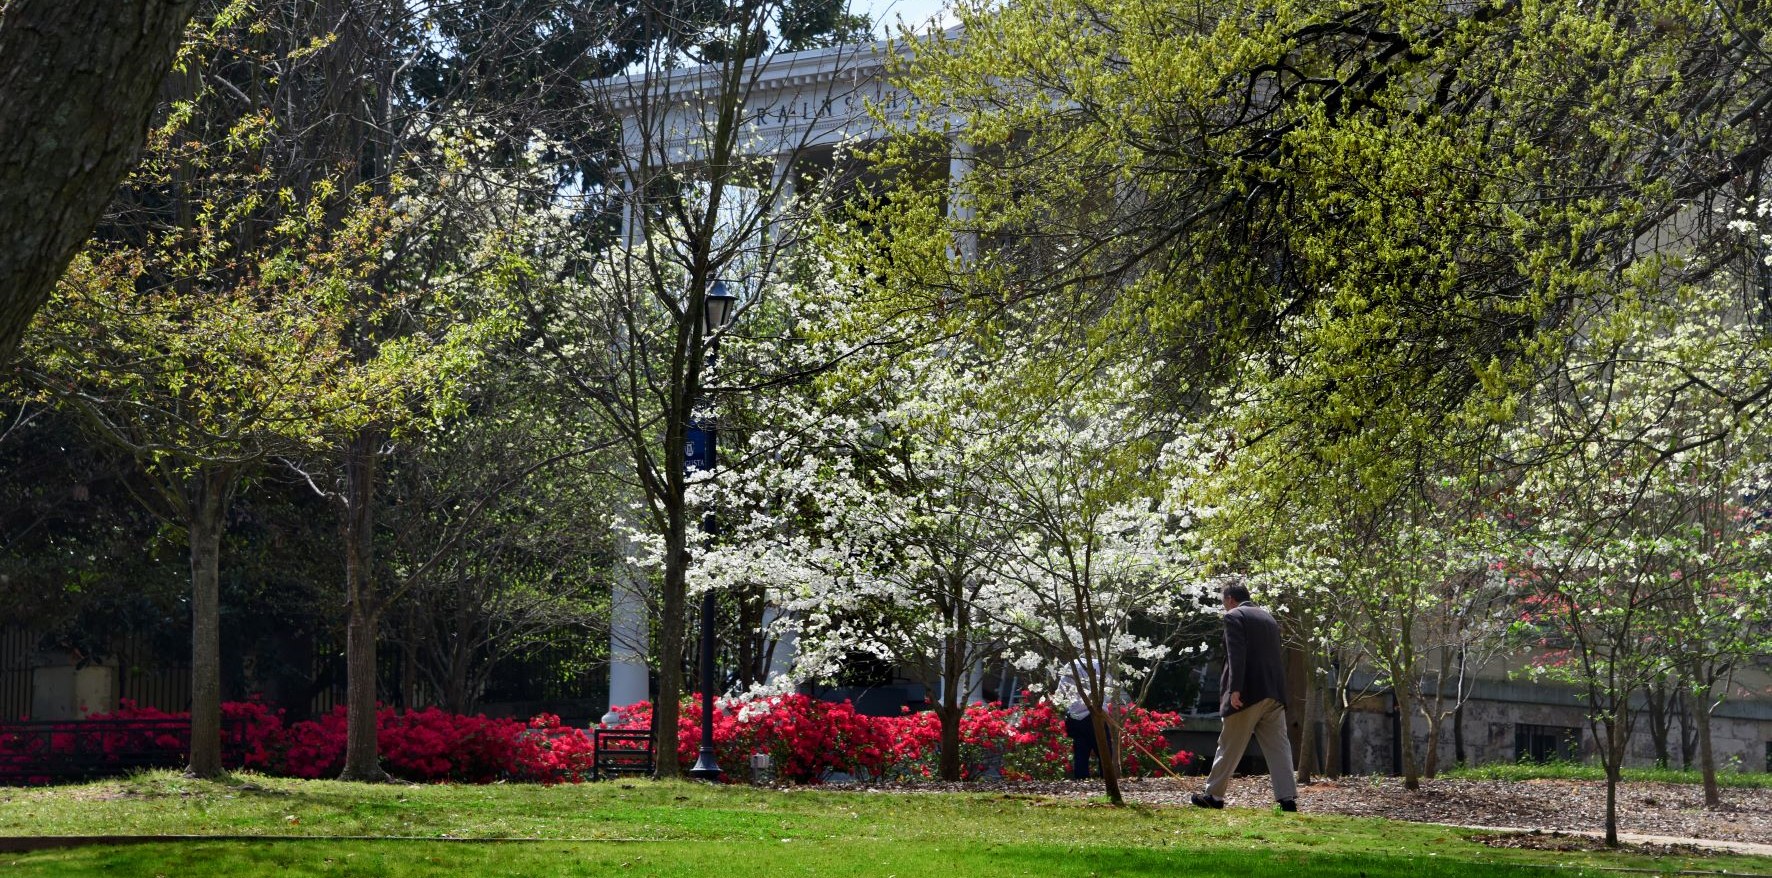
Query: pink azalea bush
{"points": [[252, 737], [433, 745], [805, 738]]}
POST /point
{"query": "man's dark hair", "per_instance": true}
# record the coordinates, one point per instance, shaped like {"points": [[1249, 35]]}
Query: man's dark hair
{"points": [[1236, 590]]}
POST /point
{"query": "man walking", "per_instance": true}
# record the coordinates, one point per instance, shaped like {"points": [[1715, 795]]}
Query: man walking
{"points": [[1079, 723], [1252, 700]]}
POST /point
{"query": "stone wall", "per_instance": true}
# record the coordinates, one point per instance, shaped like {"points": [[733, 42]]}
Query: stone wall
{"points": [[1740, 733]]}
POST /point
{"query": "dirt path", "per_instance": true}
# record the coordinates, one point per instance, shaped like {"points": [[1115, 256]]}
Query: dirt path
{"points": [[1658, 813], [1648, 809], [1533, 838]]}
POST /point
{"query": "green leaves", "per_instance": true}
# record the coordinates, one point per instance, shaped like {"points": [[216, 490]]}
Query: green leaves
{"points": [[1374, 219]]}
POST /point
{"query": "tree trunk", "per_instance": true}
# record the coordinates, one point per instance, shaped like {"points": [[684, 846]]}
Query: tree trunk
{"points": [[208, 510], [1304, 694], [948, 767], [1458, 755], [1433, 713], [1612, 774], [1307, 744], [1333, 721], [1660, 722], [1431, 761], [753, 640], [1614, 758], [1707, 760], [1109, 754], [952, 705], [1688, 739], [78, 83], [362, 755], [672, 625], [409, 666], [456, 685], [1406, 739], [750, 648], [362, 758]]}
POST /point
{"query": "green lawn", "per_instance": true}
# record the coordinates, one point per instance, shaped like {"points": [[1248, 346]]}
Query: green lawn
{"points": [[644, 828], [1576, 771]]}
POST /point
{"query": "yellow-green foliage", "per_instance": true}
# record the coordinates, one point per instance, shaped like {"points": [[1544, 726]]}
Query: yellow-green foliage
{"points": [[1368, 220], [235, 302]]}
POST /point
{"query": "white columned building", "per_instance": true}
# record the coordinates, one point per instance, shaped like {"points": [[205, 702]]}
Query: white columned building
{"points": [[629, 633], [802, 114]]}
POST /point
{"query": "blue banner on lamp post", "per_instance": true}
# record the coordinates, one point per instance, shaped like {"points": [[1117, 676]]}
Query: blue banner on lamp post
{"points": [[699, 457], [698, 452]]}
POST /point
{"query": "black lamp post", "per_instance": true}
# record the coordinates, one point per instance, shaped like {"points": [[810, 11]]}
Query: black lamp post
{"points": [[719, 306]]}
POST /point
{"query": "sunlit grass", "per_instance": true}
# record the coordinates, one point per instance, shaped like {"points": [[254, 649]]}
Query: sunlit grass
{"points": [[647, 828]]}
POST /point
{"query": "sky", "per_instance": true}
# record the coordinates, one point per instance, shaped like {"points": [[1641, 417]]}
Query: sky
{"points": [[887, 11]]}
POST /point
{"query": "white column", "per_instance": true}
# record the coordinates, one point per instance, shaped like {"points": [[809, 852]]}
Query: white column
{"points": [[960, 209], [631, 225], [629, 637], [784, 187], [974, 676], [785, 649]]}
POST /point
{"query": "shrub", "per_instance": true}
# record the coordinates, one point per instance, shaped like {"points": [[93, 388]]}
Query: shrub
{"points": [[808, 739], [317, 747], [805, 738], [253, 737], [433, 745], [551, 753]]}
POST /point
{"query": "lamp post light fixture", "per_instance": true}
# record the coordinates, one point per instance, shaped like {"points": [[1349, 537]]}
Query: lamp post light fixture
{"points": [[719, 307]]}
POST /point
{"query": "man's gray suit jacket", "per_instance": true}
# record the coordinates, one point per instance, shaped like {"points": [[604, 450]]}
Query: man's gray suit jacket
{"points": [[1254, 663]]}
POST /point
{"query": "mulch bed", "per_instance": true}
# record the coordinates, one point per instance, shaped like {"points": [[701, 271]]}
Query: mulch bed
{"points": [[1646, 808], [1550, 805], [1562, 842]]}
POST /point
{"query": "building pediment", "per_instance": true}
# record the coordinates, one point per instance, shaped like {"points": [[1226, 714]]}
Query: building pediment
{"points": [[790, 102]]}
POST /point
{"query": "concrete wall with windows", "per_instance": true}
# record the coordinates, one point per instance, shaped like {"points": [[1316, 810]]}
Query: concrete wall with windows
{"points": [[1501, 725]]}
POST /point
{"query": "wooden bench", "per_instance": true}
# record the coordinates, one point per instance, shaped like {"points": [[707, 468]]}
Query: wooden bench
{"points": [[621, 751]]}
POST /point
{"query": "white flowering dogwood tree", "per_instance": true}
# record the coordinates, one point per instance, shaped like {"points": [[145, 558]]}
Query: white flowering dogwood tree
{"points": [[1639, 528], [856, 504], [709, 195], [924, 505], [1097, 534]]}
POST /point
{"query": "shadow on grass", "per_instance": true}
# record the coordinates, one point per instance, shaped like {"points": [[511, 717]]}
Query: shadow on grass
{"points": [[732, 859], [166, 802]]}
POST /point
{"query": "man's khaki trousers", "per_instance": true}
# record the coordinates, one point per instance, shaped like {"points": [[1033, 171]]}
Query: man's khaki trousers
{"points": [[1266, 720]]}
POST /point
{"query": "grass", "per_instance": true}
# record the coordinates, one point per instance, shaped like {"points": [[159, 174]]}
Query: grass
{"points": [[1577, 771], [645, 828]]}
